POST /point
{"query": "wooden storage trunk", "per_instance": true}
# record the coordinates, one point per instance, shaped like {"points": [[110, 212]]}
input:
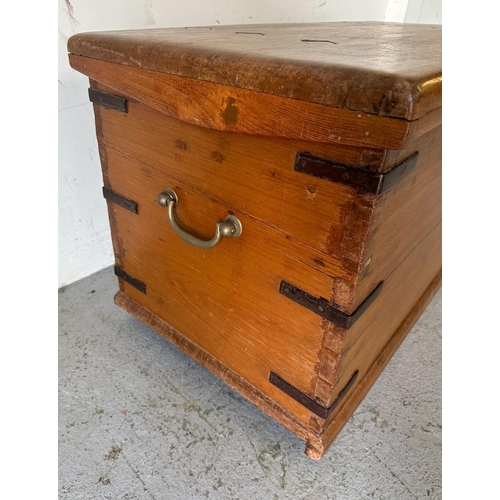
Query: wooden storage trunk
{"points": [[324, 142]]}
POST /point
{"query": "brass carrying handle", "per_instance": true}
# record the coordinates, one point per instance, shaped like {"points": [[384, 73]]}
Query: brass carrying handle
{"points": [[230, 227]]}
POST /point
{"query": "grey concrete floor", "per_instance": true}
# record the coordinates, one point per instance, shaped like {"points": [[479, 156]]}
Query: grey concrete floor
{"points": [[138, 419]]}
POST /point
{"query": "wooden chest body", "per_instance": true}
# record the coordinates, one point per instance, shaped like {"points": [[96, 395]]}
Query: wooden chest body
{"points": [[338, 194]]}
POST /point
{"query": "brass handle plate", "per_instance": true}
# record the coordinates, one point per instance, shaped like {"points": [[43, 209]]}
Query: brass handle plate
{"points": [[230, 227]]}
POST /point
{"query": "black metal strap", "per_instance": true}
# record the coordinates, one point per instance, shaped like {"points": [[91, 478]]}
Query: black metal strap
{"points": [[305, 400], [358, 178], [113, 197], [108, 100], [130, 279], [324, 309]]}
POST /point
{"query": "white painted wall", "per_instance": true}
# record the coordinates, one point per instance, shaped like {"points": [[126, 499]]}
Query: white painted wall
{"points": [[423, 11], [84, 236]]}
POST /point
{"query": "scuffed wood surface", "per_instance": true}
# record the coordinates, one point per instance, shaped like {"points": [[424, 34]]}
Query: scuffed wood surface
{"points": [[386, 69], [358, 348], [404, 215], [230, 109], [224, 298], [325, 223], [318, 434], [211, 363], [316, 448], [221, 123]]}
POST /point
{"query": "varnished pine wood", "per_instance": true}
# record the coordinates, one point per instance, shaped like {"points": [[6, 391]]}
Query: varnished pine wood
{"points": [[329, 217], [379, 68], [318, 374], [230, 109], [211, 363], [148, 267], [154, 120], [318, 437], [224, 298], [254, 176], [228, 146], [317, 446], [357, 348], [402, 218]]}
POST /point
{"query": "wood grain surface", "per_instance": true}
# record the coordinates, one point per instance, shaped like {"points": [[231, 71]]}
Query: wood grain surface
{"points": [[326, 223], [317, 445], [219, 115], [375, 159], [230, 109], [225, 298], [386, 69], [357, 243], [211, 363], [402, 218], [357, 348], [231, 314], [315, 364]]}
